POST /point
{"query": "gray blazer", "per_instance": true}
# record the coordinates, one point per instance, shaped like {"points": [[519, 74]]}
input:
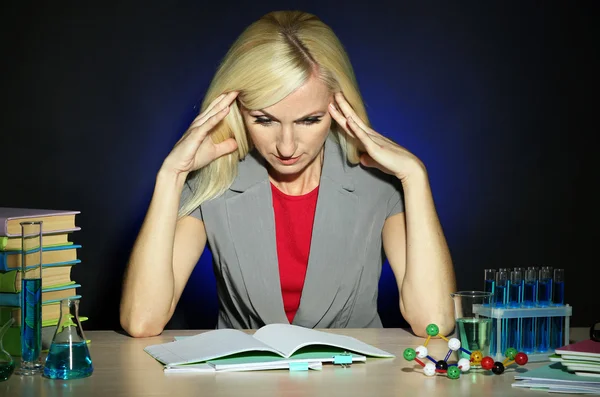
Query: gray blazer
{"points": [[341, 285]]}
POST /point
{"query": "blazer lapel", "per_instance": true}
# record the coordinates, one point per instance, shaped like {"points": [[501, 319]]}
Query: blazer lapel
{"points": [[332, 250], [252, 226]]}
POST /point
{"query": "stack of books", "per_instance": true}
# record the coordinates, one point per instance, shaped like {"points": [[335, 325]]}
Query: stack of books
{"points": [[575, 368], [581, 358], [59, 255]]}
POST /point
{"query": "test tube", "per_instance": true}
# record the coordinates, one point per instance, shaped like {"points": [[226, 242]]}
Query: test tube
{"points": [[558, 290], [515, 298], [501, 288], [529, 301], [489, 283], [501, 301], [522, 270], [544, 300], [557, 329]]}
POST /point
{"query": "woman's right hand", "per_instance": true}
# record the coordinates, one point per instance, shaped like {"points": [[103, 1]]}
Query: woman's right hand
{"points": [[195, 149]]}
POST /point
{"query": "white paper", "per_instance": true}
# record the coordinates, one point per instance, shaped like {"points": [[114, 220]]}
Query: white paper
{"points": [[206, 346], [288, 338], [557, 387], [580, 358], [190, 368]]}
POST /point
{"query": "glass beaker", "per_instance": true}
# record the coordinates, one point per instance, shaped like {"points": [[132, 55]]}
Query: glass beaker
{"points": [[31, 298], [7, 364], [69, 356], [473, 330]]}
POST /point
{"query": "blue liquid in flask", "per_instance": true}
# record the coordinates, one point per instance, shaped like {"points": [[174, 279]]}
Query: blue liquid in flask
{"points": [[68, 361], [31, 342]]}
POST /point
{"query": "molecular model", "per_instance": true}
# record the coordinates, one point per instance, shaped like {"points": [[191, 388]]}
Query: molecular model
{"points": [[463, 365]]}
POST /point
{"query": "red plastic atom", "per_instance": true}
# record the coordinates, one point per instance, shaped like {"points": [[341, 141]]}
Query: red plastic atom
{"points": [[521, 358], [487, 363]]}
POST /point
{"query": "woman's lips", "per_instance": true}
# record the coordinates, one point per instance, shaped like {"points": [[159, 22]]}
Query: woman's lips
{"points": [[288, 161]]}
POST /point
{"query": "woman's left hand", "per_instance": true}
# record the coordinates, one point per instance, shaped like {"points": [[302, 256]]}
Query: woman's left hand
{"points": [[380, 152]]}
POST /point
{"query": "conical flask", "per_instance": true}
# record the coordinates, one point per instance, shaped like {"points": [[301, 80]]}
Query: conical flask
{"points": [[69, 356], [7, 364]]}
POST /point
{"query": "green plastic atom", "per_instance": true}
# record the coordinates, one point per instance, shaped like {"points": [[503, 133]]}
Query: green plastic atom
{"points": [[410, 354], [453, 372], [432, 330], [511, 353]]}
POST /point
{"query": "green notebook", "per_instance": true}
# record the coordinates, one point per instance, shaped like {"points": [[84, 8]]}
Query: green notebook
{"points": [[556, 378], [274, 345]]}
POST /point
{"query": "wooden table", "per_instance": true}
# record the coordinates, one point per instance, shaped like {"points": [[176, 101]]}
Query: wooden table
{"points": [[122, 368]]}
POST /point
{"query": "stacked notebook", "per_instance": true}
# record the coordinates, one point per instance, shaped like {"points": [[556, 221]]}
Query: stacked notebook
{"points": [[581, 358], [274, 346], [59, 255], [575, 368]]}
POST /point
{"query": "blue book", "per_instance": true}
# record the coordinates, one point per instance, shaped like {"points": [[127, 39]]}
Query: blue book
{"points": [[51, 256], [49, 295]]}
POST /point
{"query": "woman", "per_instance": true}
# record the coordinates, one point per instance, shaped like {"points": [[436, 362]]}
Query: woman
{"points": [[268, 174]]}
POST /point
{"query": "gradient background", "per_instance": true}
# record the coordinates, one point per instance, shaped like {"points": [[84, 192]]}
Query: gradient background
{"points": [[499, 99]]}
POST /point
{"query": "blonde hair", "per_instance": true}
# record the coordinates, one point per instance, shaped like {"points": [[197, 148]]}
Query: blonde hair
{"points": [[273, 57]]}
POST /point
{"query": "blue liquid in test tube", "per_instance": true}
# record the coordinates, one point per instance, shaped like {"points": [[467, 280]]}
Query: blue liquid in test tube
{"points": [[31, 340], [557, 336], [515, 298], [544, 300], [529, 301], [501, 301]]}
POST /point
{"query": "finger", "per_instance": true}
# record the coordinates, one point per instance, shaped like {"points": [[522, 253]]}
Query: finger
{"points": [[340, 119], [347, 110], [212, 104], [219, 106], [361, 134], [227, 146], [200, 132]]}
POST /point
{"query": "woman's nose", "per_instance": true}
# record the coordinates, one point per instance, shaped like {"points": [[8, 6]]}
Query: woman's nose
{"points": [[286, 144]]}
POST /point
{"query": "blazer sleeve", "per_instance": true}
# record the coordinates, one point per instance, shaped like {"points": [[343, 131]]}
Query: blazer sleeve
{"points": [[395, 203], [185, 194]]}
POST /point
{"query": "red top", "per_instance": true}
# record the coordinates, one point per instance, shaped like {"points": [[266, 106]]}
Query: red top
{"points": [[294, 216]]}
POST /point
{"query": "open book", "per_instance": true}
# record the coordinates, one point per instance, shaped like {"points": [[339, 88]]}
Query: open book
{"points": [[272, 346]]}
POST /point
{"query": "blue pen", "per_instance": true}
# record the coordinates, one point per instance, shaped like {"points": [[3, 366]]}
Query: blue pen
{"points": [[544, 300], [515, 298], [529, 301], [557, 329]]}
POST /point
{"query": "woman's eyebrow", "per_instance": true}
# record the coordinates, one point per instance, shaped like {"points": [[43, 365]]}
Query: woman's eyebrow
{"points": [[315, 113]]}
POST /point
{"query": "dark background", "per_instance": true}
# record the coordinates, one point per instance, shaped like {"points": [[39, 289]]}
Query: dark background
{"points": [[499, 99]]}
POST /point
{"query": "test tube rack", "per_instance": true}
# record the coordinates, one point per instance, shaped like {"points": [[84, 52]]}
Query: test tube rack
{"points": [[500, 313]]}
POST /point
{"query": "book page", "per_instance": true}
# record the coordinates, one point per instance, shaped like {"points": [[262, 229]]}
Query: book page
{"points": [[207, 346], [288, 338]]}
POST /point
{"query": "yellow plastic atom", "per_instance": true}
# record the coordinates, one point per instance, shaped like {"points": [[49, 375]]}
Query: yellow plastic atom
{"points": [[476, 357]]}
